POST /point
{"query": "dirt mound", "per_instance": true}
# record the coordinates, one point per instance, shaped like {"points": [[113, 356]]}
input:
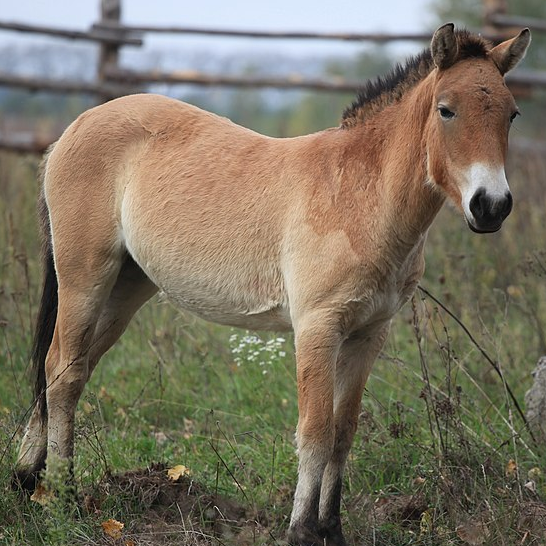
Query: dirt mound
{"points": [[399, 509], [152, 488], [159, 510]]}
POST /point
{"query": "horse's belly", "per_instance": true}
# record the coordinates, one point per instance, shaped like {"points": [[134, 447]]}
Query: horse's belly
{"points": [[219, 289], [228, 309], [272, 317]]}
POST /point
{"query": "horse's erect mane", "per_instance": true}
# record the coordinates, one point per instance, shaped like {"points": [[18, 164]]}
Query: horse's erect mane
{"points": [[377, 94]]}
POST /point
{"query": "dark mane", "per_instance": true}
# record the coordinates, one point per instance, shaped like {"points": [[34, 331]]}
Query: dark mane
{"points": [[377, 94]]}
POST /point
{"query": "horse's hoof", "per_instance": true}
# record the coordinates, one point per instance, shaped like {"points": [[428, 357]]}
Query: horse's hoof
{"points": [[335, 540], [303, 536], [25, 481], [332, 533]]}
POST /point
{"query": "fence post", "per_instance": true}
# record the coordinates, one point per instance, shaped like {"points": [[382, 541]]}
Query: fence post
{"points": [[490, 9], [109, 51]]}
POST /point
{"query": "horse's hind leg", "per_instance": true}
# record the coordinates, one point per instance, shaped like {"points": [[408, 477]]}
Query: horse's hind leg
{"points": [[99, 328], [86, 277], [131, 291]]}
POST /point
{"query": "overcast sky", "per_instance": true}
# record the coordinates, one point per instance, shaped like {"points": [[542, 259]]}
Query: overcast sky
{"points": [[310, 15], [356, 15]]}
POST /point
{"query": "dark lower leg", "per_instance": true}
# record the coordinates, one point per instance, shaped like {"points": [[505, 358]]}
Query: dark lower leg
{"points": [[330, 504], [304, 529], [32, 453]]}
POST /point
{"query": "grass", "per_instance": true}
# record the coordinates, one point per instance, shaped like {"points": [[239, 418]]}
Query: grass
{"points": [[441, 458]]}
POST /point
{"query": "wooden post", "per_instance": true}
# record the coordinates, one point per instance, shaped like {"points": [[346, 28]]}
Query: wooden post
{"points": [[493, 9], [490, 9], [109, 52]]}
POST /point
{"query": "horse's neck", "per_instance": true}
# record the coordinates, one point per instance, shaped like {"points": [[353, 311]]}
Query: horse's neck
{"points": [[394, 159]]}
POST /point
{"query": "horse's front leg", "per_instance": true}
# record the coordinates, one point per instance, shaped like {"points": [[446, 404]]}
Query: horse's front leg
{"points": [[356, 357], [317, 346]]}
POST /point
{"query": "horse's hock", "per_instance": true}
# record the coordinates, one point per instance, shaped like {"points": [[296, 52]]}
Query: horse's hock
{"points": [[535, 401]]}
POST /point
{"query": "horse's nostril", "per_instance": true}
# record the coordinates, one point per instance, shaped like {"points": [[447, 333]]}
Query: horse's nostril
{"points": [[507, 206], [478, 204]]}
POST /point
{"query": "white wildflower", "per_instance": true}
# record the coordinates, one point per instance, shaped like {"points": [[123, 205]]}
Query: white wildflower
{"points": [[251, 348]]}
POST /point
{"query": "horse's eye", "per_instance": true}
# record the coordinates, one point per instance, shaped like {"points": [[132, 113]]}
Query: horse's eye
{"points": [[514, 116], [446, 113]]}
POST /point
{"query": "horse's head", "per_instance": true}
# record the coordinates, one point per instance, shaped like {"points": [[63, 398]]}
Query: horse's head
{"points": [[471, 114]]}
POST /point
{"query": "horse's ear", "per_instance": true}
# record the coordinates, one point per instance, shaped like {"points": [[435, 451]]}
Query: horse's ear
{"points": [[508, 54], [444, 46]]}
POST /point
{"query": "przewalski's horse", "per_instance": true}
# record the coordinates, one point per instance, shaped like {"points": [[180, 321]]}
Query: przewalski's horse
{"points": [[322, 234]]}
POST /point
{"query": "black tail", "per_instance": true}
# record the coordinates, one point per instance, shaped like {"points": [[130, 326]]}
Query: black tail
{"points": [[47, 314]]}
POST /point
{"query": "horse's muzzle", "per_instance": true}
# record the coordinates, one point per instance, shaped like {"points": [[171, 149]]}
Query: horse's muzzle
{"points": [[488, 213]]}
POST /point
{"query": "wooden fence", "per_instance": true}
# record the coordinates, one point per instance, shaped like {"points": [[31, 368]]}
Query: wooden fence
{"points": [[112, 80]]}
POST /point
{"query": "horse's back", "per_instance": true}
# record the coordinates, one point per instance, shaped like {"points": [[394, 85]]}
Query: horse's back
{"points": [[105, 133]]}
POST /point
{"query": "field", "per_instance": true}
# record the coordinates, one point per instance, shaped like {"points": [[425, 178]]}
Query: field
{"points": [[442, 456]]}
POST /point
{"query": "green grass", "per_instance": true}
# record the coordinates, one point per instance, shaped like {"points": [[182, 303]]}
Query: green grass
{"points": [[437, 429]]}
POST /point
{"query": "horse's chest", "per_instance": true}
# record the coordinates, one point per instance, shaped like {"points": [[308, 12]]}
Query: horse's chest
{"points": [[385, 303], [394, 289]]}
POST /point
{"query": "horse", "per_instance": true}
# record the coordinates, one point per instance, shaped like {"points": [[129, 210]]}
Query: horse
{"points": [[321, 234]]}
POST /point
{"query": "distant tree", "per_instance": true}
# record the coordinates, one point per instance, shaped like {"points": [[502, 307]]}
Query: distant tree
{"points": [[467, 13]]}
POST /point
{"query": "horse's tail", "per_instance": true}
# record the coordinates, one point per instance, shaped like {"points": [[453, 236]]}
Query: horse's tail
{"points": [[47, 313]]}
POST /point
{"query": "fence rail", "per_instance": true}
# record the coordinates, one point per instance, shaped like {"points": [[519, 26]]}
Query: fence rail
{"points": [[509, 21], [98, 34], [271, 35], [65, 86], [197, 78], [26, 143], [113, 80], [378, 37]]}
